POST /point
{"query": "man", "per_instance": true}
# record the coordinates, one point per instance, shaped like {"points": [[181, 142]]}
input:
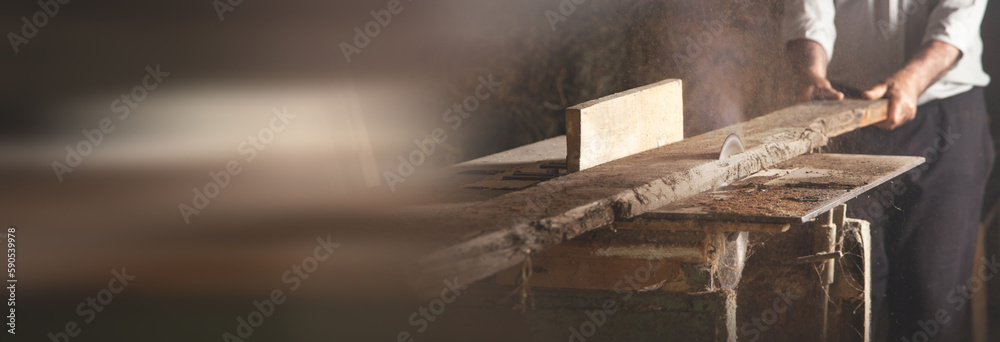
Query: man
{"points": [[925, 57]]}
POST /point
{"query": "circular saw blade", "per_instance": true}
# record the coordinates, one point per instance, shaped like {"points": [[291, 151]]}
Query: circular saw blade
{"points": [[732, 146]]}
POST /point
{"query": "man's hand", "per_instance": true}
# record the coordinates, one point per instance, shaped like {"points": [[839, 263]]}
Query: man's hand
{"points": [[932, 62], [902, 93], [815, 87], [808, 60]]}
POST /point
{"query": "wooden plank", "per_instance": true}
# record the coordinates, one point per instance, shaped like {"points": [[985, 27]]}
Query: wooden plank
{"points": [[485, 237], [871, 118], [623, 124]]}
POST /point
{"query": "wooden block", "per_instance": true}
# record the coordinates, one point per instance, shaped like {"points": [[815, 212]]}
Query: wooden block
{"points": [[624, 124]]}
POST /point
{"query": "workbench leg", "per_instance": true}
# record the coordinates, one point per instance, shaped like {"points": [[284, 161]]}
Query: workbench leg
{"points": [[809, 283], [850, 293]]}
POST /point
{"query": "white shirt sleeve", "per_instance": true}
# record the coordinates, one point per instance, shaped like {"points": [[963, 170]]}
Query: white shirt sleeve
{"points": [[956, 22], [813, 20]]}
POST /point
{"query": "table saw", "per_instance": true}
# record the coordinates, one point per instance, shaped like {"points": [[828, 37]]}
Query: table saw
{"points": [[736, 234]]}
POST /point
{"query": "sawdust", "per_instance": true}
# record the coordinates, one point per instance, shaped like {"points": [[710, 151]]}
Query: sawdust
{"points": [[788, 202]]}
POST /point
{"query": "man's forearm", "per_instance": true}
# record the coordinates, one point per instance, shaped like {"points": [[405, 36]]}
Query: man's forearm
{"points": [[903, 89], [808, 58], [932, 62]]}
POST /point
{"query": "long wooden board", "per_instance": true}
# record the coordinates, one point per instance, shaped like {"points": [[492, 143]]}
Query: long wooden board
{"points": [[624, 124], [485, 237]]}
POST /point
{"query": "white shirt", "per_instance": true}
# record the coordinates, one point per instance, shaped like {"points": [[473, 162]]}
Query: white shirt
{"points": [[867, 41]]}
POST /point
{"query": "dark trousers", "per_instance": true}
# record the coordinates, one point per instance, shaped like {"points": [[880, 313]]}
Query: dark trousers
{"points": [[925, 222]]}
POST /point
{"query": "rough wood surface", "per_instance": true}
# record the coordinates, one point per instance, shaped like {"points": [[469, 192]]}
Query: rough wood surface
{"points": [[686, 262], [623, 124], [606, 258], [479, 239], [775, 288], [794, 191]]}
